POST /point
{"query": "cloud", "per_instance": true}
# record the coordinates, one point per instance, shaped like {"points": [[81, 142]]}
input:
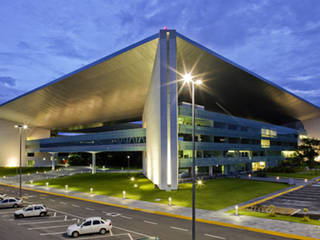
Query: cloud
{"points": [[313, 93], [7, 81]]}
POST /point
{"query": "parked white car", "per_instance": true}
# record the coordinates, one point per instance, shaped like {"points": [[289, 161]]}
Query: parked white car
{"points": [[32, 211], [11, 202], [90, 225]]}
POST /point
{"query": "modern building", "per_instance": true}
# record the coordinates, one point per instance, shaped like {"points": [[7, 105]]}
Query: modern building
{"points": [[135, 100]]}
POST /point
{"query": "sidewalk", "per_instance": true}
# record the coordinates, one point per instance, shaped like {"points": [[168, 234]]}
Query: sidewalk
{"points": [[305, 230]]}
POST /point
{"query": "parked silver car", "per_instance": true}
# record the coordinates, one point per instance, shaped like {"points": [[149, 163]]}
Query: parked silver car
{"points": [[11, 202]]}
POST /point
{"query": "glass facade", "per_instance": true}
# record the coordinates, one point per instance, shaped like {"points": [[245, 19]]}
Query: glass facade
{"points": [[231, 141]]}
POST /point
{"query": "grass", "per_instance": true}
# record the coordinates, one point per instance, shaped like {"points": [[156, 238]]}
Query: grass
{"points": [[212, 195], [277, 217], [10, 171], [304, 174]]}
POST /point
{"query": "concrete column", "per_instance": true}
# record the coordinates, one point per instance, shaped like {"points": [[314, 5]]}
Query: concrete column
{"points": [[210, 171], [53, 161], [93, 165]]}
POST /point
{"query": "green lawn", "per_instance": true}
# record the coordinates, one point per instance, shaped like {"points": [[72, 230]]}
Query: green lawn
{"points": [[277, 217], [213, 195], [304, 174], [9, 171]]}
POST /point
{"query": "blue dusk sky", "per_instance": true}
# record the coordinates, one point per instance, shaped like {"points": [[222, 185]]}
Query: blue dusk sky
{"points": [[43, 40]]}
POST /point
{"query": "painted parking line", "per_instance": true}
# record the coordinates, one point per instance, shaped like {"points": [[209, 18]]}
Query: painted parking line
{"points": [[149, 222], [90, 209], [180, 229], [44, 222], [52, 233], [74, 205], [126, 217], [107, 237], [52, 200], [65, 213], [214, 236], [47, 227], [7, 212], [134, 232], [63, 203]]}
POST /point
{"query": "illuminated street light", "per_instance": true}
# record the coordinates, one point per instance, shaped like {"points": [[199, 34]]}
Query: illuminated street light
{"points": [[21, 128], [187, 78], [199, 182]]}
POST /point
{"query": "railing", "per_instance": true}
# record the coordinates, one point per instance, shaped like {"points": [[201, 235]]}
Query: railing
{"points": [[184, 145], [201, 162]]}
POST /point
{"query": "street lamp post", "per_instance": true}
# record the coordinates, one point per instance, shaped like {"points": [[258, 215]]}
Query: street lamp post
{"points": [[21, 128], [188, 79]]}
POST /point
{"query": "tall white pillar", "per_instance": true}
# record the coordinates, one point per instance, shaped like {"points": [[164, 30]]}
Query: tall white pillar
{"points": [[93, 165], [210, 171], [53, 161]]}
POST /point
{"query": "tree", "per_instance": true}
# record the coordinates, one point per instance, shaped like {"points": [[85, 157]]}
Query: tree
{"points": [[307, 151]]}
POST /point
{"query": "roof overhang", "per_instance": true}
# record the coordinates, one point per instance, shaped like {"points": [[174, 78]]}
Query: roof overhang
{"points": [[114, 88]]}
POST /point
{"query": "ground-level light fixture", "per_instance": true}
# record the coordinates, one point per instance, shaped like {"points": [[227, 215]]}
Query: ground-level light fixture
{"points": [[132, 179], [135, 185], [123, 194], [170, 201], [199, 182]]}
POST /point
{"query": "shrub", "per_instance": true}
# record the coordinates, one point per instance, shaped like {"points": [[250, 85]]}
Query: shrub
{"points": [[306, 218], [272, 211]]}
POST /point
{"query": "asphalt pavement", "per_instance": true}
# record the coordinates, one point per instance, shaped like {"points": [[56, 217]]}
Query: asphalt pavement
{"points": [[127, 223]]}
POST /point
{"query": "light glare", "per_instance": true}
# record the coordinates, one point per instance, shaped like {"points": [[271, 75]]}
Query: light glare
{"points": [[187, 77]]}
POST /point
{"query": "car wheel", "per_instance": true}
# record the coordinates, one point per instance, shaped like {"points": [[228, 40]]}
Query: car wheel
{"points": [[75, 234], [42, 214], [15, 205], [103, 231], [20, 216]]}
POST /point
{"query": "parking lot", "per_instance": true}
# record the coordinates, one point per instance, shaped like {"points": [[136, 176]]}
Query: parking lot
{"points": [[127, 223], [54, 225]]}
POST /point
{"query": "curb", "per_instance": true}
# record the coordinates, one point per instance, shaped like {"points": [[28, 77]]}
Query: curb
{"points": [[271, 197], [269, 232]]}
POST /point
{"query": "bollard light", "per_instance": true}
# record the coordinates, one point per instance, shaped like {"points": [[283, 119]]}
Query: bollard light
{"points": [[54, 214], [199, 182], [236, 208], [66, 187], [305, 180], [103, 167], [123, 194], [135, 185], [278, 177], [47, 184], [31, 181], [28, 174], [37, 172], [65, 217], [4, 177], [45, 172], [170, 201], [132, 179], [249, 175], [91, 190]]}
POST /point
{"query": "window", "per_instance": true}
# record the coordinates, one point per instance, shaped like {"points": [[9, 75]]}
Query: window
{"points": [[5, 201], [29, 209], [265, 143], [268, 133], [37, 208], [96, 222], [12, 200], [88, 223]]}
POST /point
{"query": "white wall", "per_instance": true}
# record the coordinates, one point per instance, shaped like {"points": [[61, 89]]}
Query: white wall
{"points": [[160, 118], [312, 127], [9, 142]]}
